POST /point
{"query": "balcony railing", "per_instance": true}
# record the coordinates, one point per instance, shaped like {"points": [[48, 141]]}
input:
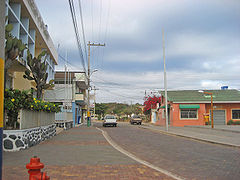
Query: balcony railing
{"points": [[79, 97]]}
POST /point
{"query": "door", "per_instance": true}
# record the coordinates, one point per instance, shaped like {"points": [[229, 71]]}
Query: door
{"points": [[218, 117], [76, 113]]}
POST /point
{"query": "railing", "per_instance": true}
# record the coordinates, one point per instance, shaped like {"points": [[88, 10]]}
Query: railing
{"points": [[79, 97]]}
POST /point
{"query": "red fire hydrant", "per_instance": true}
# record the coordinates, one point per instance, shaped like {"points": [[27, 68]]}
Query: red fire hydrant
{"points": [[34, 170]]}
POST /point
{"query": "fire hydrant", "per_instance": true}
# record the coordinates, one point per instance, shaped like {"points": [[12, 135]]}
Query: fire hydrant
{"points": [[34, 170]]}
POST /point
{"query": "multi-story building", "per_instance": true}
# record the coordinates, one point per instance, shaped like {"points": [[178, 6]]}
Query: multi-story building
{"points": [[28, 26], [70, 92]]}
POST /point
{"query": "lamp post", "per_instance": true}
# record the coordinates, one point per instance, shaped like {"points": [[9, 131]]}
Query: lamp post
{"points": [[211, 94]]}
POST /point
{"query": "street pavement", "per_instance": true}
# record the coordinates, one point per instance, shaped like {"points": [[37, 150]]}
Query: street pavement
{"points": [[78, 153], [220, 134], [185, 157]]}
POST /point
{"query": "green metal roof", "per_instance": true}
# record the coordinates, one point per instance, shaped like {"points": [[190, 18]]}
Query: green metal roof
{"points": [[196, 96], [189, 106]]}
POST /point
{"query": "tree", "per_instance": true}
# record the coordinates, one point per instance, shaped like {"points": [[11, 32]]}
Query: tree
{"points": [[100, 109], [14, 49], [151, 103], [128, 111], [38, 72]]}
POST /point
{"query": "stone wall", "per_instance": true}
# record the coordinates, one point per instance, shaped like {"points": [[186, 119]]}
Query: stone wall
{"points": [[15, 140], [64, 124]]}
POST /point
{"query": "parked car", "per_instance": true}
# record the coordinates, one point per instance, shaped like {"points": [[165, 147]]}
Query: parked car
{"points": [[110, 120], [135, 119]]}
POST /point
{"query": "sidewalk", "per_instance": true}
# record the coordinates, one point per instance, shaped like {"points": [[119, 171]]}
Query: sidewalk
{"points": [[224, 135], [78, 153]]}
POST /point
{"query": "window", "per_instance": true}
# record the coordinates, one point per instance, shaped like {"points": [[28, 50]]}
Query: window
{"points": [[136, 116], [236, 114], [188, 113], [110, 117]]}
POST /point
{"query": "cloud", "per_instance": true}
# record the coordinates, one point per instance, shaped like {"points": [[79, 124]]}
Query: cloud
{"points": [[201, 37]]}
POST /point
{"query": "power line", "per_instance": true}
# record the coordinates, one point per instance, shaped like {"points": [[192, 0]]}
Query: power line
{"points": [[120, 95], [106, 29], [84, 39], [92, 17], [62, 58], [72, 9]]}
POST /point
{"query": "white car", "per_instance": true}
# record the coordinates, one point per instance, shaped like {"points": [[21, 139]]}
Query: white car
{"points": [[110, 120]]}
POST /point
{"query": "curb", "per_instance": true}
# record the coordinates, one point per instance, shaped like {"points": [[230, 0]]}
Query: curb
{"points": [[123, 151], [226, 130], [190, 137]]}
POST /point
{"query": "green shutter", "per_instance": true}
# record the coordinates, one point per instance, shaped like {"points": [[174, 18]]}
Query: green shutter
{"points": [[189, 106]]}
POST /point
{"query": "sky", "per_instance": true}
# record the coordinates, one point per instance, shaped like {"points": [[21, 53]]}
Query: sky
{"points": [[202, 44]]}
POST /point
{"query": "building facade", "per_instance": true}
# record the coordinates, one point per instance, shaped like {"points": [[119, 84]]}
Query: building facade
{"points": [[28, 26], [191, 107], [70, 91]]}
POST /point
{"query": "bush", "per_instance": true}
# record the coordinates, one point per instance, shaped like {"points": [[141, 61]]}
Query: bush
{"points": [[206, 123], [14, 100], [231, 122]]}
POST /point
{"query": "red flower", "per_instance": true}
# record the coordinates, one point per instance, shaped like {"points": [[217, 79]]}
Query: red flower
{"points": [[151, 103]]}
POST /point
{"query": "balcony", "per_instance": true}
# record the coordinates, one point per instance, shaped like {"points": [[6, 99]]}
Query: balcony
{"points": [[80, 98]]}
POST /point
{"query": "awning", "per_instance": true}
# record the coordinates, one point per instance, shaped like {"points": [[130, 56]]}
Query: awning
{"points": [[80, 102], [189, 106], [163, 107]]}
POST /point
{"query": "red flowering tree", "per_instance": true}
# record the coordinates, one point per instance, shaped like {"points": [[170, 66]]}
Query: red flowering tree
{"points": [[151, 103]]}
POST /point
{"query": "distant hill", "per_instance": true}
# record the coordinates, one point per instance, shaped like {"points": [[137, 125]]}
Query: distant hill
{"points": [[118, 109]]}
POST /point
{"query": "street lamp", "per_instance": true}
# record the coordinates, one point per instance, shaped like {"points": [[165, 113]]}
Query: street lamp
{"points": [[211, 94], [95, 70]]}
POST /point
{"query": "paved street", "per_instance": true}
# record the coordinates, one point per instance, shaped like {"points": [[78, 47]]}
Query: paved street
{"points": [[185, 157], [78, 153], [83, 153]]}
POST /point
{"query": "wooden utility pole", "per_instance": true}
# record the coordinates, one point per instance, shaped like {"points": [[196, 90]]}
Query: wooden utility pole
{"points": [[88, 103]]}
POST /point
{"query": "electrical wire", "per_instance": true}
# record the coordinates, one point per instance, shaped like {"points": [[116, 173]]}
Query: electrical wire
{"points": [[73, 14], [120, 95], [82, 25], [64, 60], [106, 30]]}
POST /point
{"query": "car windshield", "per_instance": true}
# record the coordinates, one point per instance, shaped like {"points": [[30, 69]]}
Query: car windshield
{"points": [[135, 116], [110, 117]]}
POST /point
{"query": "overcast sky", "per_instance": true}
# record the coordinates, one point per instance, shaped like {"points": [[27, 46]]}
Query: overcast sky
{"points": [[202, 40]]}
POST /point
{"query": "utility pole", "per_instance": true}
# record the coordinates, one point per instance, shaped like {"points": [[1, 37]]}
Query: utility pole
{"points": [[88, 104], [95, 100], [2, 57], [165, 82]]}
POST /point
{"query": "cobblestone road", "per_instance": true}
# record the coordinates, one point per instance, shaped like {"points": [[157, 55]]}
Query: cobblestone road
{"points": [[78, 153], [185, 157]]}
